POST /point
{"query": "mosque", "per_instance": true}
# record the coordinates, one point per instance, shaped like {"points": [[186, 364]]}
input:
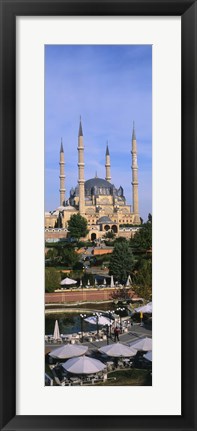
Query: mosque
{"points": [[97, 199]]}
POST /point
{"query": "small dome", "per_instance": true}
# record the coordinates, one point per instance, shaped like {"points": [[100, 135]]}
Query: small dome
{"points": [[61, 208], [69, 208], [104, 220]]}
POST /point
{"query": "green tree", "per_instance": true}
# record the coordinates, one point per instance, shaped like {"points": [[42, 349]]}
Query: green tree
{"points": [[58, 223], [143, 238], [109, 234], [121, 261], [120, 239], [68, 256], [121, 294], [52, 279], [52, 255], [77, 226], [142, 278]]}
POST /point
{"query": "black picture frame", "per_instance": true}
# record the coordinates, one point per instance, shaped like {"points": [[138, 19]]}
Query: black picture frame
{"points": [[187, 9]]}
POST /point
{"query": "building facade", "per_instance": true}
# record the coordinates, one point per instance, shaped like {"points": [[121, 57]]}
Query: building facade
{"points": [[97, 199]]}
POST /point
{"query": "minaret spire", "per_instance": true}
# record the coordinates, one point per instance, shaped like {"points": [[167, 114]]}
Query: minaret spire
{"points": [[61, 147], [134, 183], [107, 164], [133, 134], [62, 176], [80, 128], [81, 170]]}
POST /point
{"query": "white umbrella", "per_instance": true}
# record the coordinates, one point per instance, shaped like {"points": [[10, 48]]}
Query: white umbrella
{"points": [[148, 356], [100, 320], [112, 281], [83, 365], [67, 281], [145, 308], [129, 281], [88, 282], [80, 282], [104, 281], [56, 333], [117, 350], [145, 344], [68, 351], [95, 281]]}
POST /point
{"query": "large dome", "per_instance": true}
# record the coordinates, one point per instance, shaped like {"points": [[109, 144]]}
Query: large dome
{"points": [[97, 182], [98, 186]]}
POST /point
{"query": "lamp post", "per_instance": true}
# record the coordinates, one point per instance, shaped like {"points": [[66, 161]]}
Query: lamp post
{"points": [[97, 324], [108, 325], [110, 316], [82, 317], [120, 321]]}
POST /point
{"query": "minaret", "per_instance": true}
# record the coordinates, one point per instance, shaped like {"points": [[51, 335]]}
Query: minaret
{"points": [[81, 170], [62, 176], [107, 164], [134, 183]]}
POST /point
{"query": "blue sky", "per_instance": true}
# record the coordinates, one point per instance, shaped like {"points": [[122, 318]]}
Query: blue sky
{"points": [[110, 86]]}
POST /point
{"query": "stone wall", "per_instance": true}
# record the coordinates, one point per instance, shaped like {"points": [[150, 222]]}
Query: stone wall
{"points": [[81, 295]]}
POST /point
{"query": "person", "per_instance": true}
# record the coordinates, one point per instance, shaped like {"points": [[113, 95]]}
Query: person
{"points": [[116, 334]]}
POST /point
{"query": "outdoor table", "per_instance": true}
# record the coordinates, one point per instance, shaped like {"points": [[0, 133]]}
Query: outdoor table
{"points": [[126, 361], [89, 377], [75, 380]]}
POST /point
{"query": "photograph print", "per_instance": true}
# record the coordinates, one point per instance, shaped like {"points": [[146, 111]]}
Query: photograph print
{"points": [[98, 215]]}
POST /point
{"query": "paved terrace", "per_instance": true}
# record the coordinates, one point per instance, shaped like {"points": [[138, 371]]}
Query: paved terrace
{"points": [[134, 334]]}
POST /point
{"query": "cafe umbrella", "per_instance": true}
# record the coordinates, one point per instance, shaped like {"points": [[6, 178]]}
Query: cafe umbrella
{"points": [[56, 333], [67, 281], [145, 308], [98, 320], [129, 281], [145, 344], [112, 281], [117, 350], [148, 356], [68, 351], [83, 365]]}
